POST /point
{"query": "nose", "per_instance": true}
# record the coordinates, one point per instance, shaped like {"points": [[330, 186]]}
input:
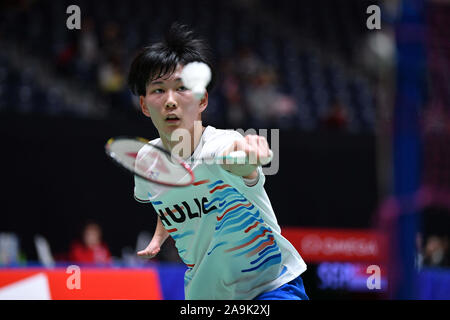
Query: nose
{"points": [[171, 101]]}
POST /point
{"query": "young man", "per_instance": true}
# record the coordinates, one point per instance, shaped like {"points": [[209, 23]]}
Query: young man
{"points": [[223, 225]]}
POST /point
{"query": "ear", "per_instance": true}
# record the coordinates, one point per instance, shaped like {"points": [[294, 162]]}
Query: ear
{"points": [[143, 106], [204, 102]]}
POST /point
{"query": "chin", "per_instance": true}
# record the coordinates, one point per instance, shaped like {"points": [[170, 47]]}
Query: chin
{"points": [[167, 130]]}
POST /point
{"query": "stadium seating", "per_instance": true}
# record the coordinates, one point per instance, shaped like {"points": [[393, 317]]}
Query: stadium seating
{"points": [[120, 28]]}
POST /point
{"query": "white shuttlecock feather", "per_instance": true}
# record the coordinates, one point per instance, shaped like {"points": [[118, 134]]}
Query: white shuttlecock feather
{"points": [[196, 76]]}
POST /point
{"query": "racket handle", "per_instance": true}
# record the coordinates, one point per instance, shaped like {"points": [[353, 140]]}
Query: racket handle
{"points": [[241, 157]]}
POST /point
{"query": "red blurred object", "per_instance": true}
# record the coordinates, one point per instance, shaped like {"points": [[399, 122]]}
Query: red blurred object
{"points": [[351, 245], [94, 284], [82, 254], [91, 248]]}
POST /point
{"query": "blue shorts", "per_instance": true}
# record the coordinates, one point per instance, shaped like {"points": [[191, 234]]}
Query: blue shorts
{"points": [[293, 290]]}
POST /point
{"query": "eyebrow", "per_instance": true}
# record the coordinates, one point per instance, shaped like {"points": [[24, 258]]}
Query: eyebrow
{"points": [[157, 82]]}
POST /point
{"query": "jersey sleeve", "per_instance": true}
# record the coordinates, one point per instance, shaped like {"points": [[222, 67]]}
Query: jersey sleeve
{"points": [[140, 190], [222, 141]]}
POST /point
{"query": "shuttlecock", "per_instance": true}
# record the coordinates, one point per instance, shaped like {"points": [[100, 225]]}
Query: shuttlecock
{"points": [[196, 76]]}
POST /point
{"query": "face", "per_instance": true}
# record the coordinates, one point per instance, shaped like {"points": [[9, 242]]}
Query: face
{"points": [[92, 235], [171, 105]]}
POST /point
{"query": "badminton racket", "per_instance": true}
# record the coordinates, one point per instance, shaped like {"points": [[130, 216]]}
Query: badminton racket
{"points": [[155, 164]]}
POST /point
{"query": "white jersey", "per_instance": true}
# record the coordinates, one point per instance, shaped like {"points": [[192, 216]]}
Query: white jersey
{"points": [[225, 231]]}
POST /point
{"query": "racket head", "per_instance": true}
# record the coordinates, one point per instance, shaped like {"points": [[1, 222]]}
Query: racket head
{"points": [[149, 161]]}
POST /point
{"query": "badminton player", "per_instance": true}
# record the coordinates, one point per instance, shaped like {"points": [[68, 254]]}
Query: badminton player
{"points": [[223, 225]]}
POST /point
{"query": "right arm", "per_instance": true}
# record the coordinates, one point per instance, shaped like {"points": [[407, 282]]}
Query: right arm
{"points": [[157, 241]]}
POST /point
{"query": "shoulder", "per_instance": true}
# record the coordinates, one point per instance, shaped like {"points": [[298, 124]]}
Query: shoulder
{"points": [[146, 148]]}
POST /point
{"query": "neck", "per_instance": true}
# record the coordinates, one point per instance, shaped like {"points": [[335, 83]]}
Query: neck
{"points": [[190, 140]]}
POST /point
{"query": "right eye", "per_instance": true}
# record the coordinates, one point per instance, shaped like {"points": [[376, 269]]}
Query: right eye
{"points": [[158, 90]]}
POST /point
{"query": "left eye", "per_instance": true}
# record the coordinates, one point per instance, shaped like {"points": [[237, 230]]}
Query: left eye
{"points": [[182, 88]]}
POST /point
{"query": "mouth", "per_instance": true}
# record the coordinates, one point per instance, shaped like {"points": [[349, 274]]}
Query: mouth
{"points": [[172, 119]]}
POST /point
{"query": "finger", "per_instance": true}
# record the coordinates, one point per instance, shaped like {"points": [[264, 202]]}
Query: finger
{"points": [[257, 148], [266, 159], [253, 150], [146, 255], [249, 144], [145, 251], [252, 139], [263, 145], [264, 153], [238, 145]]}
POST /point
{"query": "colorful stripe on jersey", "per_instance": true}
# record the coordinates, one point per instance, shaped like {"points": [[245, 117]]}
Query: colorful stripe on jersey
{"points": [[236, 215]]}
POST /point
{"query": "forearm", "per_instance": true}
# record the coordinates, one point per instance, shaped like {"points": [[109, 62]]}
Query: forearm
{"points": [[246, 171], [160, 234]]}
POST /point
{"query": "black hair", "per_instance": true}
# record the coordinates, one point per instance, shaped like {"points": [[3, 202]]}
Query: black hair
{"points": [[179, 46]]}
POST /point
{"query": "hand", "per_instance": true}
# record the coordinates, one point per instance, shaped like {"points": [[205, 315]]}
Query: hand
{"points": [[257, 152], [255, 148], [149, 252]]}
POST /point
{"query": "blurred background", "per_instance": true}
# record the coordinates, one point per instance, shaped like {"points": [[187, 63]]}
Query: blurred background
{"points": [[364, 124]]}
